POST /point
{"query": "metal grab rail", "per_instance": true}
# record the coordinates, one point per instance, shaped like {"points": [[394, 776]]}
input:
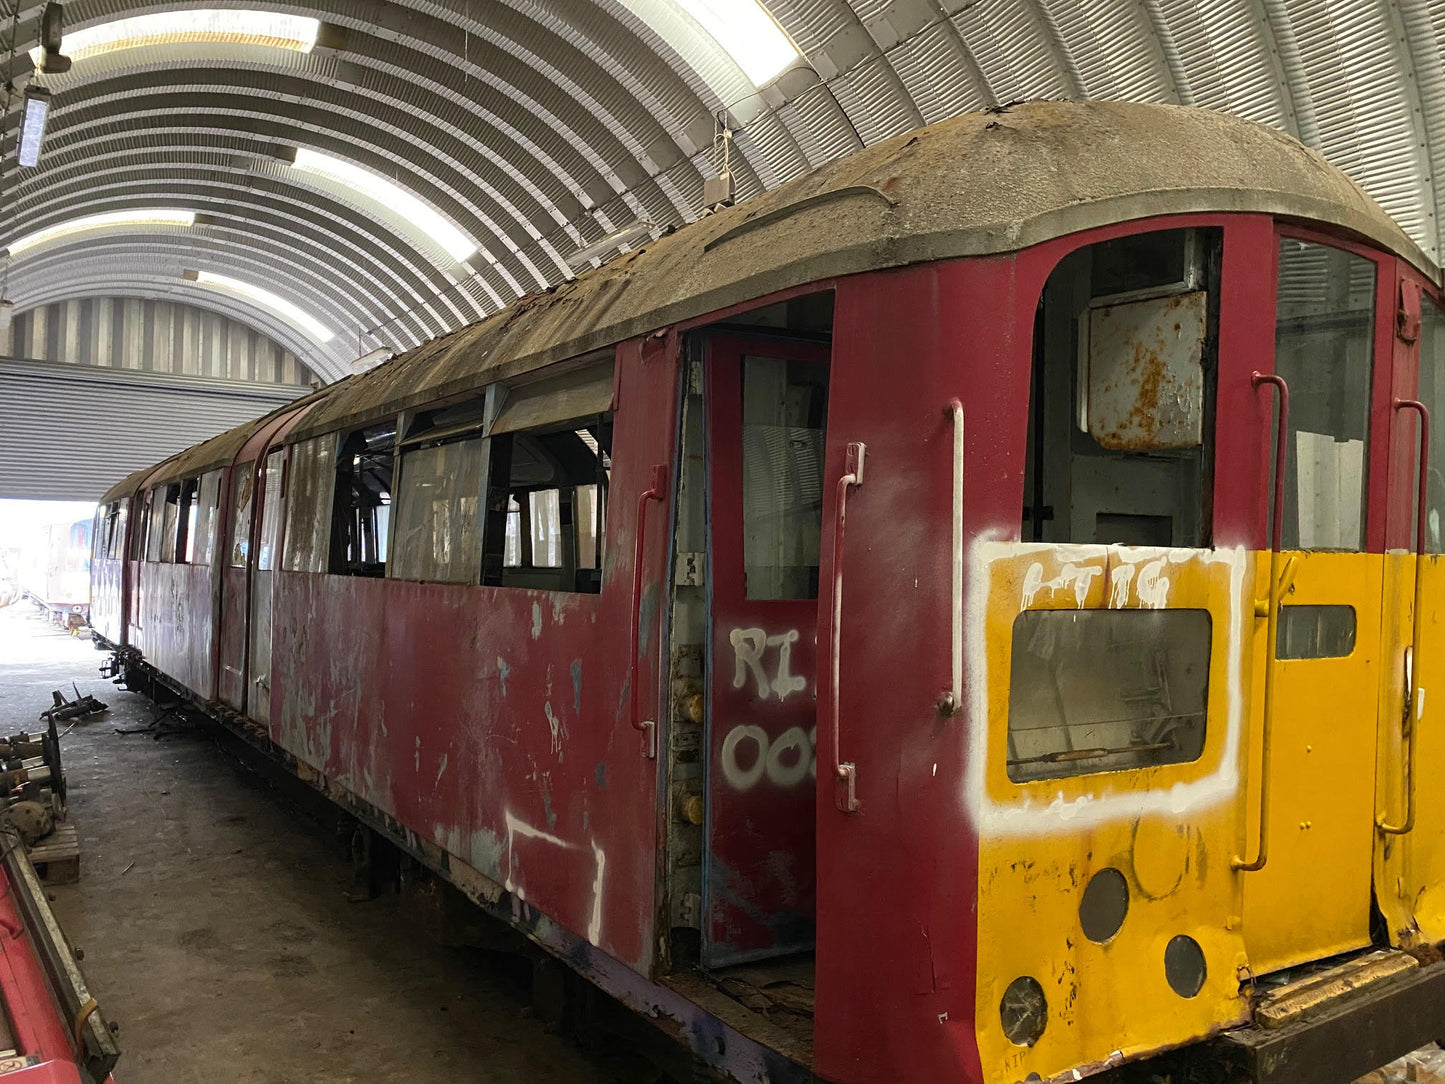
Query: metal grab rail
{"points": [[845, 772], [1281, 447], [1413, 705], [655, 492], [951, 702]]}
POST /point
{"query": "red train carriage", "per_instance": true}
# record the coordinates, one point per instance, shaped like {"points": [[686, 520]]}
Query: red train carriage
{"points": [[850, 628]]}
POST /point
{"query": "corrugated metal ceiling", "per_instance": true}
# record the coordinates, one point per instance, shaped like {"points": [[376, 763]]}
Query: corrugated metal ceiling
{"points": [[538, 126]]}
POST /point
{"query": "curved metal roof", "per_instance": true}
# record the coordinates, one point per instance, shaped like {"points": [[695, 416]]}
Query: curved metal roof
{"points": [[539, 126]]}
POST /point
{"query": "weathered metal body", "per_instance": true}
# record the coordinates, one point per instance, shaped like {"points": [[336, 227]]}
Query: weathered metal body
{"points": [[826, 704]]}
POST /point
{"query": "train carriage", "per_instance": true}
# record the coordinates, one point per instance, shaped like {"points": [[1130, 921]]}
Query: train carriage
{"points": [[963, 615]]}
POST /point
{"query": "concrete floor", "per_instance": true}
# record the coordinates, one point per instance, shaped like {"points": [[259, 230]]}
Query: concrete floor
{"points": [[217, 931]]}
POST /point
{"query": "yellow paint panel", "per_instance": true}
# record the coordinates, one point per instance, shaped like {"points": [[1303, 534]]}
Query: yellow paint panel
{"points": [[1170, 829]]}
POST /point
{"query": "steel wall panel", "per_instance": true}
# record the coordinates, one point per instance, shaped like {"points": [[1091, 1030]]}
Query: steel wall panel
{"points": [[69, 432]]}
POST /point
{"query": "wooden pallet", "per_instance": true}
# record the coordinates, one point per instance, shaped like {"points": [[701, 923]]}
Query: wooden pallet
{"points": [[56, 858]]}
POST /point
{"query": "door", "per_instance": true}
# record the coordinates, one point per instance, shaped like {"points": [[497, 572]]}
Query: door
{"points": [[767, 401], [1320, 677], [267, 558]]}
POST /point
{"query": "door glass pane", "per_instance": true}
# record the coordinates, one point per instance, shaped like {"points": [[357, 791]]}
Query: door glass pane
{"points": [[308, 507], [785, 404], [1106, 690], [243, 482], [1432, 394], [271, 510], [1324, 334]]}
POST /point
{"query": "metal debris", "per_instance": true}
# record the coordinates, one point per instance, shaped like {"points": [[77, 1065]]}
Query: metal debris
{"points": [[1424, 1066], [79, 708]]}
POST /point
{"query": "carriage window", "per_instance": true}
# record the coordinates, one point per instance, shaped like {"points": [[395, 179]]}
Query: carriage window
{"points": [[140, 543], [785, 404], [201, 538], [362, 522], [186, 520], [1121, 413], [546, 506], [243, 485], [1106, 690], [100, 532], [272, 493], [439, 513], [115, 543], [308, 504], [1432, 394], [161, 531], [1324, 343]]}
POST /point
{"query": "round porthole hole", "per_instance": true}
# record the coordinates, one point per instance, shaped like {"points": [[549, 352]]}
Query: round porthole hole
{"points": [[1184, 966], [1023, 1011], [1105, 903]]}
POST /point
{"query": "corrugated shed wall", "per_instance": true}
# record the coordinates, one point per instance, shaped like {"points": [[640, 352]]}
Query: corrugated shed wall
{"points": [[69, 432], [153, 336]]}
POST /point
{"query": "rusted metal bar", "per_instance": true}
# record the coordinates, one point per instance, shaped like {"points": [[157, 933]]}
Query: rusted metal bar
{"points": [[655, 492]]}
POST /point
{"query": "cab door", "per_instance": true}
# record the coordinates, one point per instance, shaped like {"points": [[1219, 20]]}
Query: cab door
{"points": [[1410, 839], [767, 400], [1307, 857]]}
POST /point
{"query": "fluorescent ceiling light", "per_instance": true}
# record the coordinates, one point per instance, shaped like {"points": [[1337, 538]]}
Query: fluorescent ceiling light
{"points": [[32, 125], [640, 230], [392, 197], [297, 315], [745, 31], [270, 28], [144, 216]]}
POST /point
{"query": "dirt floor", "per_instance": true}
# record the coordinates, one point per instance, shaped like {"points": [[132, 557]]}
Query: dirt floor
{"points": [[216, 925]]}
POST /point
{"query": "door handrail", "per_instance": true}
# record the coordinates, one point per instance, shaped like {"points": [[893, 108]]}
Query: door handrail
{"points": [[655, 492], [845, 772], [951, 702], [1410, 721], [1281, 447]]}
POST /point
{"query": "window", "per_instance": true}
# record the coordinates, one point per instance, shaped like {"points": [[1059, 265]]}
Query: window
{"points": [[1121, 407], [1324, 345], [243, 485], [1432, 394], [161, 524], [186, 520], [439, 513], [115, 546], [100, 534], [548, 498], [1106, 690], [362, 518], [201, 536], [272, 493], [141, 543], [1315, 632], [785, 405], [308, 504]]}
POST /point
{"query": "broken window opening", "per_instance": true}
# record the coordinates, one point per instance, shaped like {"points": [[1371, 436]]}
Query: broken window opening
{"points": [[243, 484], [1121, 420], [361, 524]]}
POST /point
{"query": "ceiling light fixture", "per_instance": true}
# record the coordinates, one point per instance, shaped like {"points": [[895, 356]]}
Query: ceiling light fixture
{"points": [[296, 33], [142, 216], [391, 196], [52, 26], [747, 33], [32, 124], [297, 315]]}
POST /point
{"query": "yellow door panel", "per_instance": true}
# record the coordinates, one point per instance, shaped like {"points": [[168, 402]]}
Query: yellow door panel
{"points": [[1108, 814], [1410, 865], [1312, 898]]}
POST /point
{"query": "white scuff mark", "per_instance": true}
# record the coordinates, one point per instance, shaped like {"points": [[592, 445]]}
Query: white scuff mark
{"points": [[442, 768], [558, 728], [536, 620], [516, 827], [1077, 578], [418, 754], [1420, 702], [935, 771], [1025, 815], [1154, 585]]}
